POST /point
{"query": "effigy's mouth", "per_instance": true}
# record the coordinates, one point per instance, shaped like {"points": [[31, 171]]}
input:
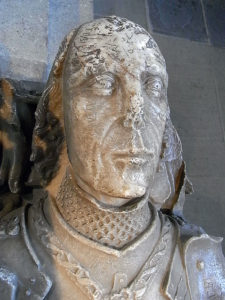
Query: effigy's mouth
{"points": [[137, 157]]}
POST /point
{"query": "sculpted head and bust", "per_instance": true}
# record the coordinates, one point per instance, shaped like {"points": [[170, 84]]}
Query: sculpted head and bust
{"points": [[108, 155]]}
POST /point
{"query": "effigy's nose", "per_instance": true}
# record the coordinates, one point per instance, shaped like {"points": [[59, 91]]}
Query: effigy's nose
{"points": [[134, 112]]}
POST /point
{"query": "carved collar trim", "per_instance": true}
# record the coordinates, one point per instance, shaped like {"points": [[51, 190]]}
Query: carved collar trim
{"points": [[81, 277], [60, 225], [112, 231]]}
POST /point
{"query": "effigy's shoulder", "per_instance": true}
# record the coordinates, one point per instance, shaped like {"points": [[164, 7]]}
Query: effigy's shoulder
{"points": [[205, 266], [11, 224], [20, 274], [197, 269]]}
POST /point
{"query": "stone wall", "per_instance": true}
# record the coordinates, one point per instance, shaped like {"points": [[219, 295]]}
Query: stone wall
{"points": [[31, 31]]}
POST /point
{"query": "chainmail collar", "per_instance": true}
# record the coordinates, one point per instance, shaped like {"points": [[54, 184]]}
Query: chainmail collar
{"points": [[136, 289], [114, 228]]}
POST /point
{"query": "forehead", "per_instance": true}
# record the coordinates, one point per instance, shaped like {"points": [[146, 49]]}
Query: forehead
{"points": [[116, 45]]}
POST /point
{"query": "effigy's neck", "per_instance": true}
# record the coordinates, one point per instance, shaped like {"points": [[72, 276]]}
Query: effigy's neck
{"points": [[113, 227]]}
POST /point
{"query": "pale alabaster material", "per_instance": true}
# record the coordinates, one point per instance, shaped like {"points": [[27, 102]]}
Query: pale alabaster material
{"points": [[110, 225]]}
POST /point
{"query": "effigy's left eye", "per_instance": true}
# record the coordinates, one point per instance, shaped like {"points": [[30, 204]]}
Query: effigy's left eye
{"points": [[153, 86], [157, 85]]}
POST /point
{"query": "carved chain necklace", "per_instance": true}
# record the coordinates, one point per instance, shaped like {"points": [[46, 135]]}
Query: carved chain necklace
{"points": [[113, 228]]}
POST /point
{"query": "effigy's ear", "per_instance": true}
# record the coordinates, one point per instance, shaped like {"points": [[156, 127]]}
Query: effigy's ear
{"points": [[48, 135], [170, 183]]}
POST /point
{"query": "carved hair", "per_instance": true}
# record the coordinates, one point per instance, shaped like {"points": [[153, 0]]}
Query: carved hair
{"points": [[49, 136]]}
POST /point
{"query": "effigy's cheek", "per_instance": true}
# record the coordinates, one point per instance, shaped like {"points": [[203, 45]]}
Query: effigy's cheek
{"points": [[78, 109]]}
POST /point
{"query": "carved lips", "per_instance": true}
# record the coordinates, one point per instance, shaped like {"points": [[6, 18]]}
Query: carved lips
{"points": [[134, 157]]}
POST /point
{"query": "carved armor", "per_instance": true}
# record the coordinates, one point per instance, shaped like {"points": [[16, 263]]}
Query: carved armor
{"points": [[184, 264]]}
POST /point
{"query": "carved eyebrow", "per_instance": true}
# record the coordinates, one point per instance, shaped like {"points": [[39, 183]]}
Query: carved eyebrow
{"points": [[152, 72], [93, 79], [94, 76], [147, 74], [105, 74]]}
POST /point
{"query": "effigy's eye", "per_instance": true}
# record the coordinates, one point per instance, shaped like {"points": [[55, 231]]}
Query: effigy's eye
{"points": [[103, 85], [153, 86]]}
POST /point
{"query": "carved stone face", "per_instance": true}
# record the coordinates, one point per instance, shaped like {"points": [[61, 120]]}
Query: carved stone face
{"points": [[115, 107]]}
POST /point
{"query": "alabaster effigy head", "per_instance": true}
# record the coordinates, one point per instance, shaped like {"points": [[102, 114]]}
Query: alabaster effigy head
{"points": [[106, 103], [110, 226]]}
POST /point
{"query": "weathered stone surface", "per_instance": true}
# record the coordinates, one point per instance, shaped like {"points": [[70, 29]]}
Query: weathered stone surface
{"points": [[23, 39], [30, 33], [63, 16], [111, 225]]}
